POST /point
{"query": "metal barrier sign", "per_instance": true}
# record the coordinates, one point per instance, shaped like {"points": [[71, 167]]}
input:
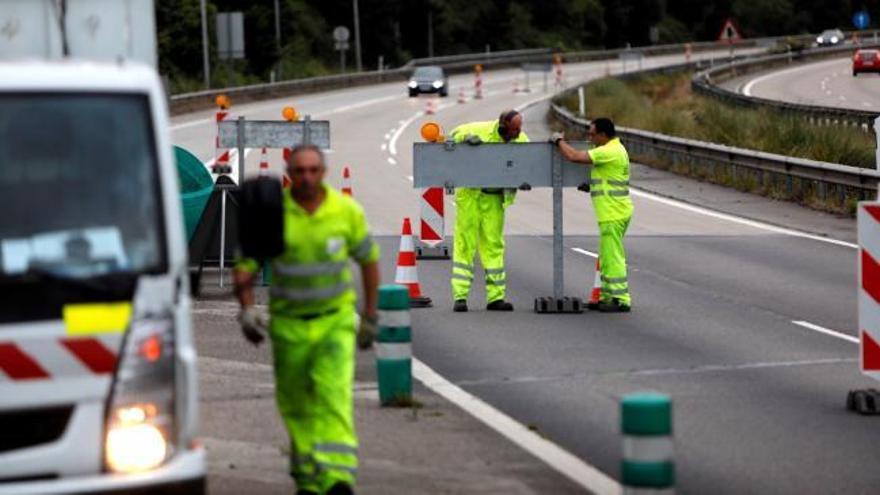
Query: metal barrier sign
{"points": [[510, 165], [544, 68], [274, 133]]}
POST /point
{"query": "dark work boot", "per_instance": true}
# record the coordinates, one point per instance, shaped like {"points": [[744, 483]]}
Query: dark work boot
{"points": [[615, 306], [340, 488], [460, 306], [499, 305]]}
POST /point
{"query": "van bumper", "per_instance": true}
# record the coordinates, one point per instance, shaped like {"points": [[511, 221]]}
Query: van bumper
{"points": [[184, 473]]}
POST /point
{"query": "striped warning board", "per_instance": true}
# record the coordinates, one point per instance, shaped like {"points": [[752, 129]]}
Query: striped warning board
{"points": [[53, 358], [869, 287]]}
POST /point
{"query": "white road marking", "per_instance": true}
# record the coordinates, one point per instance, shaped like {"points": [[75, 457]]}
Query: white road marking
{"points": [[392, 145], [383, 147], [392, 161], [747, 89], [842, 98], [867, 104], [192, 123], [742, 221], [585, 475], [584, 251], [826, 331], [409, 178]]}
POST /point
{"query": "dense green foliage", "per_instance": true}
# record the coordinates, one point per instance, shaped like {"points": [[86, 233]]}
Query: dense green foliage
{"points": [[398, 30]]}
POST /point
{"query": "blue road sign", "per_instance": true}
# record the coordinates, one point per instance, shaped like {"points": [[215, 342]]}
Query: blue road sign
{"points": [[861, 19]]}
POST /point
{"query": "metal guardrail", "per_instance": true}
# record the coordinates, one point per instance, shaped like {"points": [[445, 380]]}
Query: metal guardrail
{"points": [[799, 176], [707, 84]]}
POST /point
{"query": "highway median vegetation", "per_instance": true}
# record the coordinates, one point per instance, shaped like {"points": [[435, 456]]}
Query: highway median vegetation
{"points": [[665, 104]]}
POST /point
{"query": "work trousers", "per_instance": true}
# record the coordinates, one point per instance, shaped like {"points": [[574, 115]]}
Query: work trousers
{"points": [[314, 371], [479, 227], [612, 261]]}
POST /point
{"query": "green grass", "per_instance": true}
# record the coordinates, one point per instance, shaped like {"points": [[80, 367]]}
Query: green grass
{"points": [[665, 104]]}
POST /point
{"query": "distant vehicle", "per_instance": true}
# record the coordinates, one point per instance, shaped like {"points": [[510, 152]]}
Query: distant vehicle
{"points": [[866, 60], [830, 37], [430, 79]]}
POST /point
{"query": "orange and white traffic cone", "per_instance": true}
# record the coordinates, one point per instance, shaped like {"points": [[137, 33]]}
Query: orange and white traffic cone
{"points": [[346, 182], [407, 272], [461, 97], [264, 163], [429, 107], [596, 293]]}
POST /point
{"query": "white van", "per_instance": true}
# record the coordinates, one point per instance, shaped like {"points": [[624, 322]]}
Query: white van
{"points": [[98, 386]]}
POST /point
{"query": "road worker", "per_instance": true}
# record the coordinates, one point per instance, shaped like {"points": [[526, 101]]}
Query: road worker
{"points": [[313, 321], [609, 190], [479, 221]]}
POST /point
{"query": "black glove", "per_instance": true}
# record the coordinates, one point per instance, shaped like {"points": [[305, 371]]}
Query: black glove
{"points": [[525, 187], [473, 140], [253, 325], [585, 187], [367, 331]]}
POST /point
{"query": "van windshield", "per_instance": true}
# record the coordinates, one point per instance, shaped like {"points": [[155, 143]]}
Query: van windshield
{"points": [[79, 185]]}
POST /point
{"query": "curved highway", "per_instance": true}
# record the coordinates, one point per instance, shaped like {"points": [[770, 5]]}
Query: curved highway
{"points": [[827, 83], [750, 327]]}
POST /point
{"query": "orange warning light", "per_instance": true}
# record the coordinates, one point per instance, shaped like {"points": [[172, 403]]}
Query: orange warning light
{"points": [[289, 114], [151, 348], [478, 68], [222, 101], [431, 132]]}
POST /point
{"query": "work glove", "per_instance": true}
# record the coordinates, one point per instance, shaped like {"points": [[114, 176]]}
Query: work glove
{"points": [[584, 187], [473, 140], [525, 186], [556, 137], [253, 325], [367, 331]]}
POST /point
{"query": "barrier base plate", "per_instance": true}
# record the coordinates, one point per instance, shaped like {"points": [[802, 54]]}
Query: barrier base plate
{"points": [[420, 302], [546, 305], [866, 402], [439, 252]]}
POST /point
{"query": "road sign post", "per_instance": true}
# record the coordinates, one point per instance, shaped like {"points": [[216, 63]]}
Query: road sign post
{"points": [[341, 35], [520, 165], [544, 68]]}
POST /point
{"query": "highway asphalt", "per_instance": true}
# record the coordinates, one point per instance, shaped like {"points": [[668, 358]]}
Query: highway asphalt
{"points": [[827, 83], [758, 398]]}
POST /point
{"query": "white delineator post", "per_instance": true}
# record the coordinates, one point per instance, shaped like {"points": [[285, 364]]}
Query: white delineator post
{"points": [[582, 103]]}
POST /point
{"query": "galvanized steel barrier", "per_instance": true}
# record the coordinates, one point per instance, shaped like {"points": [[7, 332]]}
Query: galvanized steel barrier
{"points": [[707, 83], [799, 178]]}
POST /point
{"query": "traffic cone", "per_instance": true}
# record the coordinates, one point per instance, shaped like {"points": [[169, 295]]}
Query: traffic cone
{"points": [[264, 163], [429, 107], [596, 293], [407, 273], [346, 182], [221, 164], [461, 97]]}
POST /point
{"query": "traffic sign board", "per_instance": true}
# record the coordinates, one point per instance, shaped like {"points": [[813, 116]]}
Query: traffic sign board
{"points": [[861, 19], [729, 32], [340, 34]]}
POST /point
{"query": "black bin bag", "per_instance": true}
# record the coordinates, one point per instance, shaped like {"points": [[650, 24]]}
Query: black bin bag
{"points": [[261, 218]]}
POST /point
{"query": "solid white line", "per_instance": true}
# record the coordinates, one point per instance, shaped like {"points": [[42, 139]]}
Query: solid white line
{"points": [[833, 333], [555, 456], [743, 221], [392, 161], [584, 251], [392, 145], [747, 89]]}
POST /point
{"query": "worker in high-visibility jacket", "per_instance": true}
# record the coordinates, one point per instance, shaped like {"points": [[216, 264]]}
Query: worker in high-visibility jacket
{"points": [[609, 190], [313, 322], [479, 218]]}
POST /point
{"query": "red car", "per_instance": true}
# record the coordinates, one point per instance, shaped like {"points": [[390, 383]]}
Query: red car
{"points": [[866, 60]]}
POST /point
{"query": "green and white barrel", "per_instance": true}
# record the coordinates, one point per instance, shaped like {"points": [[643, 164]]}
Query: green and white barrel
{"points": [[648, 465], [394, 345]]}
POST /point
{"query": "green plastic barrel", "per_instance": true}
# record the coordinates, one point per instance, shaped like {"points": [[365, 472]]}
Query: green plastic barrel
{"points": [[196, 185]]}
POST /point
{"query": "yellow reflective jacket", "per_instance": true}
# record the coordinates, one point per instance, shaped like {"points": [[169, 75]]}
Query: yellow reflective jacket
{"points": [[488, 133]]}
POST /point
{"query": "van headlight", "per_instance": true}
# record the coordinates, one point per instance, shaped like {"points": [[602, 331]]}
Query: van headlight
{"points": [[835, 39], [819, 39], [438, 84], [413, 84], [140, 420]]}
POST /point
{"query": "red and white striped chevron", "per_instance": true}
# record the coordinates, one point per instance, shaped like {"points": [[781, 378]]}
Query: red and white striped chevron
{"points": [[432, 226], [869, 287], [48, 358]]}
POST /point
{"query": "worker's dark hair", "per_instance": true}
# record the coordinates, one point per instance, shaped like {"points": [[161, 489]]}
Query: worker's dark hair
{"points": [[605, 126], [504, 122], [306, 147]]}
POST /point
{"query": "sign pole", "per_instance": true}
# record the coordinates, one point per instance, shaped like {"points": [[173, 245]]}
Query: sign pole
{"points": [[558, 273]]}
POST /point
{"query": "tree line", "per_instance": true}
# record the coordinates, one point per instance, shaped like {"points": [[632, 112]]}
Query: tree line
{"points": [[399, 30]]}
